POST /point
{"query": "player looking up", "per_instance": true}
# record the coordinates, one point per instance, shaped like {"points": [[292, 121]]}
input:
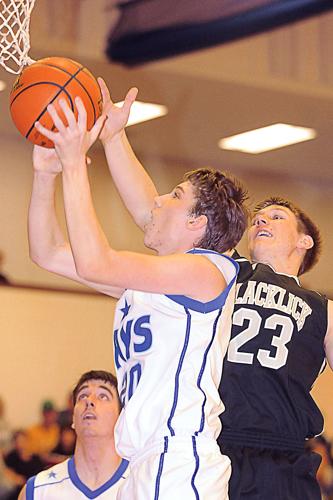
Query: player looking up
{"points": [[172, 322], [95, 470], [280, 338]]}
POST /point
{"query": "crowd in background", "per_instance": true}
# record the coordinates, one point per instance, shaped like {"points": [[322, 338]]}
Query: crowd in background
{"points": [[25, 452], [323, 446]]}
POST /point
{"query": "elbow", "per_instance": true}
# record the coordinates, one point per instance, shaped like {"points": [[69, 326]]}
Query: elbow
{"points": [[44, 261], [87, 271], [36, 258], [100, 269]]}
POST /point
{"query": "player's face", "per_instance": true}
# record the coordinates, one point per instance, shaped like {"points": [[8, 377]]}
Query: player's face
{"points": [[96, 409], [167, 230], [273, 235]]}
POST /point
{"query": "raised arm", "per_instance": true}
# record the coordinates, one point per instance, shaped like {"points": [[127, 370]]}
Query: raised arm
{"points": [[48, 246], [184, 274], [124, 166]]}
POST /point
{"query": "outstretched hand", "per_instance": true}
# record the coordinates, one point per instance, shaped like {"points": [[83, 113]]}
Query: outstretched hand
{"points": [[73, 140], [117, 117]]}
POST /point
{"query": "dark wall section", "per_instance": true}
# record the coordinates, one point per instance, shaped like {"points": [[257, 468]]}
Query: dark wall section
{"points": [[155, 29]]}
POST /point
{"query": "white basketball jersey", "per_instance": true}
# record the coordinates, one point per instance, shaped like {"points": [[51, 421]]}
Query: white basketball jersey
{"points": [[62, 482], [168, 355]]}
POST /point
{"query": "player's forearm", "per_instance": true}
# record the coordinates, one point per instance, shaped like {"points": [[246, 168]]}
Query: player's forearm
{"points": [[45, 235], [88, 242], [127, 172]]}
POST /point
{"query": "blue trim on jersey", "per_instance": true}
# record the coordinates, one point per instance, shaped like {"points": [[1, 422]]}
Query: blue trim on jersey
{"points": [[47, 483], [180, 364], [29, 491], [95, 493], [202, 372], [197, 462], [160, 468], [212, 305]]}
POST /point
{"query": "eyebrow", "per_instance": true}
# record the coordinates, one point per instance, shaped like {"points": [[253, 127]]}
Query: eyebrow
{"points": [[263, 211], [106, 389], [180, 188], [101, 386]]}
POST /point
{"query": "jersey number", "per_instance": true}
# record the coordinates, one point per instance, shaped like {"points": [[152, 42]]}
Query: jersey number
{"points": [[264, 356]]}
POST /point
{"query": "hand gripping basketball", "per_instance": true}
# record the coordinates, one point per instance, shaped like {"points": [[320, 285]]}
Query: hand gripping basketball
{"points": [[72, 140]]}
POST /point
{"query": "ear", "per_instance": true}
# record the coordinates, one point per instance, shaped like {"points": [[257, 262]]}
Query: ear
{"points": [[305, 242], [196, 222]]}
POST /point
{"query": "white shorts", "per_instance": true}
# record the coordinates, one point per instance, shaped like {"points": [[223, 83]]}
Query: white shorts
{"points": [[180, 468]]}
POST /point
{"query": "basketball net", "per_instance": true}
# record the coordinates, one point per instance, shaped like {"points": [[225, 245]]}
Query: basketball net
{"points": [[14, 34]]}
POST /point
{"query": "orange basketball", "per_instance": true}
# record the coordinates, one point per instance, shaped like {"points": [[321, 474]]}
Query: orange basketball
{"points": [[45, 82]]}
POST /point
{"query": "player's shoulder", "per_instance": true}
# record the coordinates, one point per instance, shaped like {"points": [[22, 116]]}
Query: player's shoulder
{"points": [[54, 474], [246, 268], [227, 265]]}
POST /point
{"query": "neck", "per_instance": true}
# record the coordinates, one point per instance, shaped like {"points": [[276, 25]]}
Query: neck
{"points": [[96, 461], [283, 267], [229, 252]]}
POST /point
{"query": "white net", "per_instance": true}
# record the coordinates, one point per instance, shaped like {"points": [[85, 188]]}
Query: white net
{"points": [[14, 34]]}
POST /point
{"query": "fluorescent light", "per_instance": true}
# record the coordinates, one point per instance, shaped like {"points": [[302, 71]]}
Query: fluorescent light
{"points": [[2, 85], [143, 111], [263, 139]]}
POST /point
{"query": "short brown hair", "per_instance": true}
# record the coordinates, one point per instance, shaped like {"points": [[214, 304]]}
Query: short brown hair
{"points": [[304, 225], [95, 375], [221, 198]]}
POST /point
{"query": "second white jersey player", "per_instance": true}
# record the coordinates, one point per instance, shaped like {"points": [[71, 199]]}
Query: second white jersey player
{"points": [[62, 482]]}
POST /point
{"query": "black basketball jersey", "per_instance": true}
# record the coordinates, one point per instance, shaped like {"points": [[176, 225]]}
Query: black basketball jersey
{"points": [[275, 354]]}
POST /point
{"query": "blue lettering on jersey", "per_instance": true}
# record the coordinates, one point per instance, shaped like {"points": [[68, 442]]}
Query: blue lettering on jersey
{"points": [[125, 336], [131, 331], [144, 332], [117, 351], [134, 336], [122, 394], [131, 381], [135, 375]]}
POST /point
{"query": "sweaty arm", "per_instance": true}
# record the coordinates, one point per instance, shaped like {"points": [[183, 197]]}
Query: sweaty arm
{"points": [[126, 170], [328, 344]]}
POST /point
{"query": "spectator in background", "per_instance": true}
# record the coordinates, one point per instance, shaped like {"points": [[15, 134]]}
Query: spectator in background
{"points": [[5, 432], [323, 446], [21, 462], [44, 437], [65, 447], [65, 416], [3, 278], [7, 482]]}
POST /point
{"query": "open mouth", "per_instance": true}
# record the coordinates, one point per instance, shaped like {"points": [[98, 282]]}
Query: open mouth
{"points": [[264, 233], [89, 416]]}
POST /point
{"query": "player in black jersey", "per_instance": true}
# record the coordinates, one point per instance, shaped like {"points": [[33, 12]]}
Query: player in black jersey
{"points": [[280, 338]]}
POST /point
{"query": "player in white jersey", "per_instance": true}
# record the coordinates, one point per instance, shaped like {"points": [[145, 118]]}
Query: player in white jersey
{"points": [[178, 342], [173, 322], [95, 470]]}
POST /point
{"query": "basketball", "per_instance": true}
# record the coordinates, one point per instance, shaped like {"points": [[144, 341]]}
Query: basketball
{"points": [[45, 82]]}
